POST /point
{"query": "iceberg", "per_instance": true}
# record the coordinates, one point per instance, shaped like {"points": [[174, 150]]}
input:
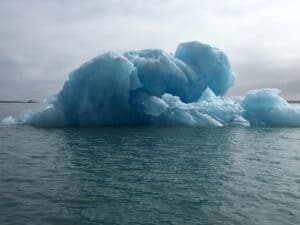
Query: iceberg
{"points": [[156, 87]]}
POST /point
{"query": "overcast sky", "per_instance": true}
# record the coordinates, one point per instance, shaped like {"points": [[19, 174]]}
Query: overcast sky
{"points": [[42, 41]]}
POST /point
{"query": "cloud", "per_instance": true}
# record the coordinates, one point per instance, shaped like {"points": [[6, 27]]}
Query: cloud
{"points": [[42, 41]]}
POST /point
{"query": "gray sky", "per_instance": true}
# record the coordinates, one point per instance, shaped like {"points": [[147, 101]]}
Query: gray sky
{"points": [[42, 41]]}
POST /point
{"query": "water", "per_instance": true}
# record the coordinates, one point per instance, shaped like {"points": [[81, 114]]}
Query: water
{"points": [[148, 175]]}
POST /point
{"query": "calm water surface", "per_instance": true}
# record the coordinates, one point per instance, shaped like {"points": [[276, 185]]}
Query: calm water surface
{"points": [[148, 175]]}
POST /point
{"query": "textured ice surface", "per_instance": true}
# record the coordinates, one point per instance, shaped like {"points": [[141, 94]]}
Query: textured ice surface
{"points": [[155, 87], [265, 107]]}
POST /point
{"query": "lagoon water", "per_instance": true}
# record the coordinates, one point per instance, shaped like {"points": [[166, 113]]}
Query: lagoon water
{"points": [[148, 175]]}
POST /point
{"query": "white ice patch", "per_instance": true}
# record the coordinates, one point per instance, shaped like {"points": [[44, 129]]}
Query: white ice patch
{"points": [[9, 121]]}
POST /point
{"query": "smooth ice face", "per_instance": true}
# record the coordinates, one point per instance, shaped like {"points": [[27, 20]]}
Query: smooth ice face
{"points": [[155, 87], [210, 64]]}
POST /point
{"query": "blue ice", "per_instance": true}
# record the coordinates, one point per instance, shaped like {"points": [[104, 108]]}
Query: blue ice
{"points": [[156, 87]]}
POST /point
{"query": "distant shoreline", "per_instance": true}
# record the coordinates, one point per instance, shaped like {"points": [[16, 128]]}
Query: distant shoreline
{"points": [[29, 101]]}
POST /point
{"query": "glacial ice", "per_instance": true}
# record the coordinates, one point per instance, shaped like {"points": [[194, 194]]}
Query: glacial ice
{"points": [[155, 87]]}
